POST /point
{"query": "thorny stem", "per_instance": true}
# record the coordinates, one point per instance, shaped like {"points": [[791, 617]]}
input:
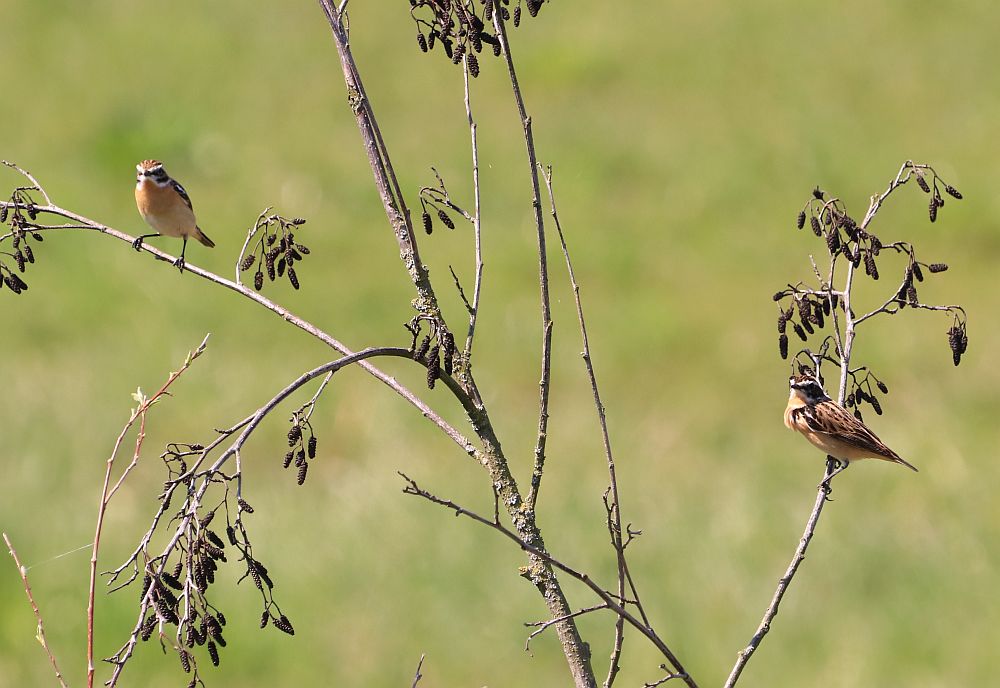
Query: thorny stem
{"points": [[139, 413], [40, 632]]}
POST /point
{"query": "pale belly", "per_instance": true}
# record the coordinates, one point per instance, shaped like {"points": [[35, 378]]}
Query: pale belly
{"points": [[166, 216]]}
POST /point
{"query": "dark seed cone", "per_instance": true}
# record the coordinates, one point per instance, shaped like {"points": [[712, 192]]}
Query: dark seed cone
{"points": [[932, 209], [833, 241], [294, 434], [804, 308], [244, 505], [302, 473], [433, 366], [311, 447], [782, 323], [870, 267], [951, 191], [449, 352], [428, 224], [264, 618], [28, 254], [425, 345], [922, 183], [917, 272], [818, 194], [877, 406], [783, 345], [283, 624], [473, 64], [445, 220], [800, 220], [814, 223], [800, 332], [293, 278], [213, 652], [3, 215], [937, 267], [778, 296], [258, 280], [533, 7], [247, 261], [422, 42], [288, 459]]}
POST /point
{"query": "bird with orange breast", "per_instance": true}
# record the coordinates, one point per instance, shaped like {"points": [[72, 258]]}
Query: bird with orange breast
{"points": [[830, 428], [166, 207]]}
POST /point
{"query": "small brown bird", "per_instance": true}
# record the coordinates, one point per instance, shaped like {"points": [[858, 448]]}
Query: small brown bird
{"points": [[830, 428], [166, 207]]}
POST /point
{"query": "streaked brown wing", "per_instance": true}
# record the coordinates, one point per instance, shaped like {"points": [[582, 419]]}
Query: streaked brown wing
{"points": [[183, 194], [833, 419]]}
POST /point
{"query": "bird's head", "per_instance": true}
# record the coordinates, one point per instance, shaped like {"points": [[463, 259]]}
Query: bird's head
{"points": [[807, 388], [151, 169]]}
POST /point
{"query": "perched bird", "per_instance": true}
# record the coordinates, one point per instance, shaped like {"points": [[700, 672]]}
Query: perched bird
{"points": [[166, 207], [830, 427]]}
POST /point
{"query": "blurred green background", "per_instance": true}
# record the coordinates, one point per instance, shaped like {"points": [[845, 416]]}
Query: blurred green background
{"points": [[685, 137]]}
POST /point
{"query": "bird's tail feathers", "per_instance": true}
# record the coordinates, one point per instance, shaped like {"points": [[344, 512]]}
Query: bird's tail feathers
{"points": [[203, 238]]}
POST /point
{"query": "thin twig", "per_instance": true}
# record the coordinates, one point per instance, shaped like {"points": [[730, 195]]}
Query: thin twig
{"points": [[86, 223], [381, 166], [416, 676], [543, 268], [614, 507], [194, 496], [607, 598], [139, 413], [40, 633], [476, 220], [542, 625], [844, 340]]}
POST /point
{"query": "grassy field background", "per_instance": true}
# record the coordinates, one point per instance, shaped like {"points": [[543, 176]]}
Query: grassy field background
{"points": [[685, 137]]}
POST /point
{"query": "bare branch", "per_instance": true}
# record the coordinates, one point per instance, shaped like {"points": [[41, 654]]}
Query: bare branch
{"points": [[609, 600], [614, 506], [40, 634], [139, 413], [476, 221], [858, 245], [542, 625]]}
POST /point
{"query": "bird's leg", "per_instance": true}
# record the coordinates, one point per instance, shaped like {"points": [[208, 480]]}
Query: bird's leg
{"points": [[179, 263], [841, 466], [137, 244]]}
